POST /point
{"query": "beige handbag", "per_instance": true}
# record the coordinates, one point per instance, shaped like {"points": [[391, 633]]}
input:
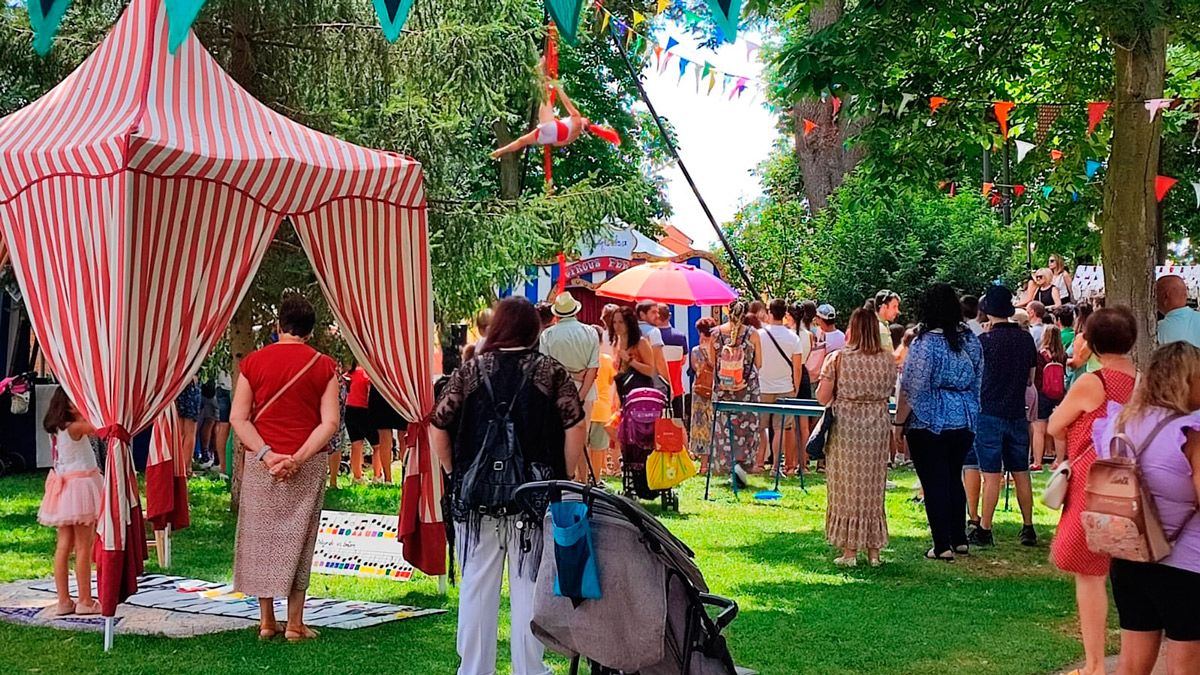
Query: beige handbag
{"points": [[1055, 494]]}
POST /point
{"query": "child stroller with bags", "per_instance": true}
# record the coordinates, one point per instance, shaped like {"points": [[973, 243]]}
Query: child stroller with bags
{"points": [[641, 409], [651, 613]]}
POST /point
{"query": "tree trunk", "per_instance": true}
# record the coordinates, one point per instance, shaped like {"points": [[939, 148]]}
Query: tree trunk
{"points": [[510, 164], [1129, 221], [241, 343], [824, 158]]}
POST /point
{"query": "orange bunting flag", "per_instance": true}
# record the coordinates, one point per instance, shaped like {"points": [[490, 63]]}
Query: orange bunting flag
{"points": [[662, 5], [1162, 185], [809, 125], [1018, 190], [936, 102], [1056, 155], [1096, 110], [1002, 109], [987, 189]]}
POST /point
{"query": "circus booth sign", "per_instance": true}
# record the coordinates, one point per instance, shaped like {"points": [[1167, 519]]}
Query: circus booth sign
{"points": [[613, 254], [137, 200]]}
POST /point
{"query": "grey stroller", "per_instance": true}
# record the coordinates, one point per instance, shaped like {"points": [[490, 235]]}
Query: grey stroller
{"points": [[653, 615]]}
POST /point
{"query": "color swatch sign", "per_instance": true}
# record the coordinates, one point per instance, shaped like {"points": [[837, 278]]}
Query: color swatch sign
{"points": [[360, 545]]}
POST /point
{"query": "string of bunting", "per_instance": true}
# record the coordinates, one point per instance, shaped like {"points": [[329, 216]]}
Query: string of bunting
{"points": [[1047, 114]]}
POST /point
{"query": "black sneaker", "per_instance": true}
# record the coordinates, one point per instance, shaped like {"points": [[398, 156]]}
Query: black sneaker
{"points": [[1028, 536], [972, 525], [981, 537]]}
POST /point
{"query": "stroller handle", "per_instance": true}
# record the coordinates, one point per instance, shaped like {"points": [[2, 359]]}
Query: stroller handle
{"points": [[729, 609]]}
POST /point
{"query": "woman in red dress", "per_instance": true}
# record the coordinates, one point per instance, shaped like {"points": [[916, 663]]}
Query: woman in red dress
{"points": [[285, 411], [1111, 335]]}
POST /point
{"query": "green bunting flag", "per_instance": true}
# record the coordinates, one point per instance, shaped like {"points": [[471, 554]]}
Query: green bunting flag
{"points": [[44, 18], [566, 15], [393, 14], [180, 16], [726, 13]]}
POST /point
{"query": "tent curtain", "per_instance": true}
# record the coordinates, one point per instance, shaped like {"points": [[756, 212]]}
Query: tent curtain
{"points": [[376, 279], [166, 473], [130, 281]]}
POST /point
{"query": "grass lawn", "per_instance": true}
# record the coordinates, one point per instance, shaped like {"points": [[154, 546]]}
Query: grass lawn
{"points": [[1004, 610]]}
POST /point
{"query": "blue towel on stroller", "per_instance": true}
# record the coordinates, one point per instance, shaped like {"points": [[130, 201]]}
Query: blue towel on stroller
{"points": [[574, 555]]}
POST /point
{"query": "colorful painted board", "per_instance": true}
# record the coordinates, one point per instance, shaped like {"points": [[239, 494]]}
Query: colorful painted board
{"points": [[360, 545]]}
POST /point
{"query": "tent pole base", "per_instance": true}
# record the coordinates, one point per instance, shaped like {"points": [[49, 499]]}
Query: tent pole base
{"points": [[442, 584], [108, 633]]}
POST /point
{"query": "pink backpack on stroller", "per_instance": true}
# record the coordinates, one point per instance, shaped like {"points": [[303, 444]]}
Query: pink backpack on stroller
{"points": [[641, 409]]}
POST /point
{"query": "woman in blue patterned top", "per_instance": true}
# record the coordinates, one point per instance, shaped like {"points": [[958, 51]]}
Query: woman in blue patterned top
{"points": [[938, 406]]}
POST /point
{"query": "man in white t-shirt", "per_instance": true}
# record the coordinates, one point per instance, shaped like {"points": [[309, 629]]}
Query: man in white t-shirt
{"points": [[647, 316], [779, 377], [829, 341]]}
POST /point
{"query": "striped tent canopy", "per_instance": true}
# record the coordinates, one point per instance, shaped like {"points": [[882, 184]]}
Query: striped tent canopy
{"points": [[137, 200]]}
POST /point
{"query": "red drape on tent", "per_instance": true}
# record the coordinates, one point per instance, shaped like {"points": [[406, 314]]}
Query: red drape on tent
{"points": [[166, 473], [138, 198], [377, 281]]}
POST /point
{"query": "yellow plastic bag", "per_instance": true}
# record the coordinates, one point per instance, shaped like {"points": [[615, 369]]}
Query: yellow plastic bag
{"points": [[669, 464]]}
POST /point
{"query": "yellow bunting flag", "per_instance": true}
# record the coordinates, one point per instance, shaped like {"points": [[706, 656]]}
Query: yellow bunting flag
{"points": [[662, 5], [638, 18]]}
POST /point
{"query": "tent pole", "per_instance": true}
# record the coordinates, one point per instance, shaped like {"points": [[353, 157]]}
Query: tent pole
{"points": [[662, 130], [108, 633]]}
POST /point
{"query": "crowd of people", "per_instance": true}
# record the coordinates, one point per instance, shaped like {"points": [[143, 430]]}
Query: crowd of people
{"points": [[983, 388]]}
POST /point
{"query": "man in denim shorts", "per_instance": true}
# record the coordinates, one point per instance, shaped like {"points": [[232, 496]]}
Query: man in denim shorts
{"points": [[1002, 433]]}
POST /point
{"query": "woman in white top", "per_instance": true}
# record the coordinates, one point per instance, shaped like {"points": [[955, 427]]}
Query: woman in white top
{"points": [[1061, 278]]}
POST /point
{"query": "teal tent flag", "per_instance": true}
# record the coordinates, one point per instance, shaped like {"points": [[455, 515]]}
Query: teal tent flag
{"points": [[1046, 190], [566, 15], [180, 16], [1092, 167], [393, 14], [726, 13], [44, 18]]}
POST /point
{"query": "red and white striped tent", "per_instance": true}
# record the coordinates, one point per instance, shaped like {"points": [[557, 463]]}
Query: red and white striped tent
{"points": [[137, 199]]}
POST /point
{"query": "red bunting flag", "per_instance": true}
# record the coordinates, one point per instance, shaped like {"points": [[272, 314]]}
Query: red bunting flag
{"points": [[1162, 185], [1056, 155], [935, 102], [995, 199], [1018, 190], [562, 274], [1002, 109], [987, 189], [837, 105], [809, 125], [1096, 110]]}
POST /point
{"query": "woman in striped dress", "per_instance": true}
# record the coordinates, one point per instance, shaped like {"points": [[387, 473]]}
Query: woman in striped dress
{"points": [[1111, 334]]}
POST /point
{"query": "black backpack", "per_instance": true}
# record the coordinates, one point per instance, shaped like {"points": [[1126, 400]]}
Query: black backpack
{"points": [[493, 476]]}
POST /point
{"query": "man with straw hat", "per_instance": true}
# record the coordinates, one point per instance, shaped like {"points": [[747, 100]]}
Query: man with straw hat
{"points": [[577, 347]]}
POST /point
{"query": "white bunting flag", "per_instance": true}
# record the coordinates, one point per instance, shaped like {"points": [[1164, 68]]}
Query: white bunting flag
{"points": [[905, 99], [1023, 148], [1155, 104], [1196, 187]]}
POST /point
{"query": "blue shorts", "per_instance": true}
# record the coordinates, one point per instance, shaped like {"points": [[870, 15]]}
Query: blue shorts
{"points": [[1000, 445], [224, 400]]}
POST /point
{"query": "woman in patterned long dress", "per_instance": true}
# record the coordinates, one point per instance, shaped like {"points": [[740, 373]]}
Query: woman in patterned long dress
{"points": [[738, 447], [702, 363], [857, 382], [1111, 334], [292, 390]]}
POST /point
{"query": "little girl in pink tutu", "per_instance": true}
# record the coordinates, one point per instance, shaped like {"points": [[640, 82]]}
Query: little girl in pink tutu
{"points": [[72, 503]]}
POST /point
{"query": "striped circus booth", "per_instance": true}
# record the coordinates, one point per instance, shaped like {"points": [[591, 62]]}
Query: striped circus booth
{"points": [[1088, 281], [137, 201], [597, 264]]}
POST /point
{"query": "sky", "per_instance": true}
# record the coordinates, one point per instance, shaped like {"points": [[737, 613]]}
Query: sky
{"points": [[721, 141]]}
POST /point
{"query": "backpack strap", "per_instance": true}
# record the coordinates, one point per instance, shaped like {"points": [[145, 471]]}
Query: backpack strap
{"points": [[285, 388], [526, 369], [1138, 449]]}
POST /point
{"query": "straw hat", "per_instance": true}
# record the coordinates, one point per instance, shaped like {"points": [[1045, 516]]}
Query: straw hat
{"points": [[565, 305]]}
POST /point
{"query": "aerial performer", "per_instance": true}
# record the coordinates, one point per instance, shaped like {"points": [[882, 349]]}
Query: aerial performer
{"points": [[558, 132]]}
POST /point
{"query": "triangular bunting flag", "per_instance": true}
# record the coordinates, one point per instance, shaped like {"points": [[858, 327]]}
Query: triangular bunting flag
{"points": [[1162, 185], [936, 102], [809, 125], [739, 88], [671, 43], [1074, 195], [666, 62], [905, 99], [638, 18], [44, 18], [620, 27], [1056, 155], [604, 24], [1196, 187], [1018, 190], [1092, 167], [696, 72], [1046, 190], [995, 199], [637, 47], [751, 47], [683, 64], [691, 18], [180, 16], [726, 13], [1002, 108], [1096, 111], [662, 5], [837, 105], [725, 83], [1155, 104], [1023, 148], [987, 188], [707, 69], [712, 82], [1046, 116], [393, 14]]}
